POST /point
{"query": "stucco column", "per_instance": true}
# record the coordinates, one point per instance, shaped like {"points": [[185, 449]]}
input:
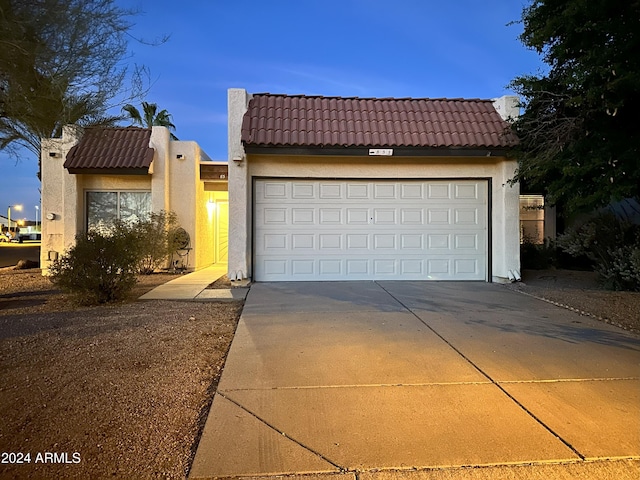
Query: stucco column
{"points": [[506, 234], [161, 176], [508, 106], [239, 189], [60, 197]]}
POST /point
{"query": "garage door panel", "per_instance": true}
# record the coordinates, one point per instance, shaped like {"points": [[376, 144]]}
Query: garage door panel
{"points": [[275, 190], [412, 267], [466, 216], [275, 267], [331, 190], [302, 190], [275, 241], [466, 191], [412, 216], [302, 268], [412, 191], [357, 191], [358, 216], [341, 230], [303, 242], [357, 267], [275, 216], [357, 241], [438, 191], [384, 191], [465, 266], [303, 216], [412, 241]]}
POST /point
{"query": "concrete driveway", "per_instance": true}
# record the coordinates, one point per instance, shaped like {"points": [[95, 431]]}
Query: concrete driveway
{"points": [[422, 379]]}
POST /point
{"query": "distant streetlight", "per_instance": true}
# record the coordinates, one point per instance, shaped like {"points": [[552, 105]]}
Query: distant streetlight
{"points": [[18, 208]]}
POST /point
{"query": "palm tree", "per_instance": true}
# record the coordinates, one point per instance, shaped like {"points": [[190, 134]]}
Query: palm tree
{"points": [[151, 117]]}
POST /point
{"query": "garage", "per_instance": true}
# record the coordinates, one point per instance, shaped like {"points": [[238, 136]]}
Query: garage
{"points": [[337, 188], [357, 229]]}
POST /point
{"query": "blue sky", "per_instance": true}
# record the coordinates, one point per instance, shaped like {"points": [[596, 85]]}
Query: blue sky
{"points": [[363, 48]]}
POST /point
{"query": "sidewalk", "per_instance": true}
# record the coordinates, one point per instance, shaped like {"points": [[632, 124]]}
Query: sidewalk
{"points": [[193, 286]]}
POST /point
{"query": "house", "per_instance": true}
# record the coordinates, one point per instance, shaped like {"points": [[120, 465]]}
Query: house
{"points": [[316, 188], [330, 188], [92, 175]]}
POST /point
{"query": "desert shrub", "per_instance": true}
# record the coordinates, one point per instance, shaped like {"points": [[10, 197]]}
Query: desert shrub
{"points": [[624, 271], [153, 240], [101, 266], [613, 245], [537, 256]]}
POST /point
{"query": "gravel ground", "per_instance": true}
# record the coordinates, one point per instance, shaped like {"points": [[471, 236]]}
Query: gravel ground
{"points": [[579, 291], [116, 391]]}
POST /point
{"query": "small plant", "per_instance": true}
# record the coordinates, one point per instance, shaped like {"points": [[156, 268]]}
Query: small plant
{"points": [[101, 266], [612, 244], [624, 270], [153, 240]]}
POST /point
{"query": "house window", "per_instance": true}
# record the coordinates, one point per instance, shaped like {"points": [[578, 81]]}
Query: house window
{"points": [[532, 219], [104, 207]]}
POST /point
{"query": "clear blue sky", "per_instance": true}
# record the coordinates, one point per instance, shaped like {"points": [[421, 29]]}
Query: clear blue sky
{"points": [[363, 48]]}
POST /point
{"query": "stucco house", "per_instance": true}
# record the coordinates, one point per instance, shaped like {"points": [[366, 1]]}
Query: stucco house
{"points": [[93, 175], [316, 188], [330, 188]]}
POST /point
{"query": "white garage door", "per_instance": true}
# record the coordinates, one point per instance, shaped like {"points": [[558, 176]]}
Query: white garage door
{"points": [[370, 230]]}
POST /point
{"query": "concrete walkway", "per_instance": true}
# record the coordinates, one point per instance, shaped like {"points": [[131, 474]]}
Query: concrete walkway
{"points": [[429, 380], [193, 286]]}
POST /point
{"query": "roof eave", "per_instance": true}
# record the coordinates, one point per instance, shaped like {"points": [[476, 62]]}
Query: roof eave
{"points": [[109, 171], [497, 151]]}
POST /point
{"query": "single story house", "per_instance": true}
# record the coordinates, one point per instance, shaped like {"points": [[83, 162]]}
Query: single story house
{"points": [[93, 175], [331, 188], [315, 188]]}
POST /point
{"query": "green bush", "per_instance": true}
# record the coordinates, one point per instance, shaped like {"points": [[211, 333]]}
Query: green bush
{"points": [[153, 240], [612, 244], [101, 267], [624, 271]]}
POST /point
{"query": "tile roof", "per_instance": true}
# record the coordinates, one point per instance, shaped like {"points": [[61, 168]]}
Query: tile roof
{"points": [[109, 148], [309, 121]]}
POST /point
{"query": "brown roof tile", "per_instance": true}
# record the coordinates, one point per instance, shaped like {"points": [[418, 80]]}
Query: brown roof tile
{"points": [[308, 121], [120, 148]]}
